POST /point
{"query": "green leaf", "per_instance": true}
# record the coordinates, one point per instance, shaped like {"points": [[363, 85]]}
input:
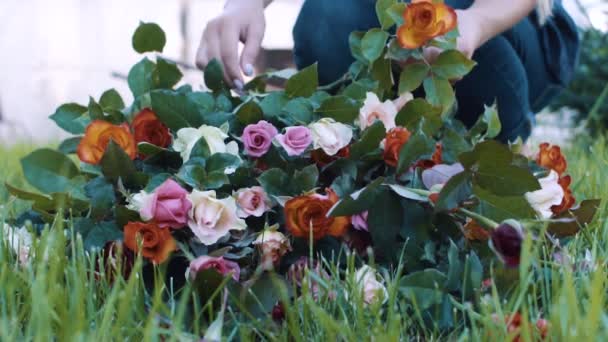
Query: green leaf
{"points": [[452, 64], [358, 90], [397, 53], [220, 162], [408, 193], [382, 7], [366, 197], [396, 12], [168, 73], [419, 146], [473, 275], [200, 149], [415, 110], [304, 83], [456, 190], [423, 288], [369, 141], [249, 113], [175, 110], [384, 221], [439, 92], [72, 118], [111, 99], [381, 72], [69, 145], [204, 102], [95, 110], [297, 112], [214, 76], [273, 103], [492, 120], [275, 182], [489, 152], [412, 76], [100, 234], [373, 43], [506, 180], [116, 164], [500, 208], [263, 295], [193, 173], [141, 78], [354, 42], [49, 171], [305, 179], [340, 108], [455, 269], [102, 196], [149, 37], [571, 222]]}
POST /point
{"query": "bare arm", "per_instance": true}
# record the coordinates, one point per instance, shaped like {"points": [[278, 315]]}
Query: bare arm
{"points": [[241, 20]]}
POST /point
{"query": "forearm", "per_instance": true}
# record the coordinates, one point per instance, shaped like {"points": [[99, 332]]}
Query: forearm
{"points": [[497, 16]]}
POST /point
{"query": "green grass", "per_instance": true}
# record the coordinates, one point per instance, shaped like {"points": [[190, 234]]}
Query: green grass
{"points": [[59, 296]]}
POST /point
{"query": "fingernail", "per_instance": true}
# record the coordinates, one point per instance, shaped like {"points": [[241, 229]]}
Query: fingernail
{"points": [[238, 84], [248, 69]]}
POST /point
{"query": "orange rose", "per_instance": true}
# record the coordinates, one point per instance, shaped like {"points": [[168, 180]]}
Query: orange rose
{"points": [[425, 20], [474, 232], [97, 137], [309, 212], [156, 242], [395, 139], [148, 128], [322, 159], [568, 200], [551, 157]]}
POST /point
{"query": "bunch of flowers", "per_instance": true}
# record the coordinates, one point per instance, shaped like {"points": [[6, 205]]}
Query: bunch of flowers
{"points": [[239, 186]]}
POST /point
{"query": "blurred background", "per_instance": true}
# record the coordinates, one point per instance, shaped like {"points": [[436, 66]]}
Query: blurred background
{"points": [[60, 51]]}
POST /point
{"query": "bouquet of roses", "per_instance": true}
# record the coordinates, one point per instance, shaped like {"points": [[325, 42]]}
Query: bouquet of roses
{"points": [[216, 184]]}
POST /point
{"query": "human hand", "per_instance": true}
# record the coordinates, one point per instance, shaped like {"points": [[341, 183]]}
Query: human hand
{"points": [[242, 20]]}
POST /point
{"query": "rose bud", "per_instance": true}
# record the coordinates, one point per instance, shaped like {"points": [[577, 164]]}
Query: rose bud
{"points": [[506, 241], [252, 202], [278, 312], [373, 290], [273, 246], [221, 265]]}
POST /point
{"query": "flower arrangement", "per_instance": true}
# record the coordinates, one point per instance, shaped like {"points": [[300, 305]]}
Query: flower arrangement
{"points": [[238, 186]]}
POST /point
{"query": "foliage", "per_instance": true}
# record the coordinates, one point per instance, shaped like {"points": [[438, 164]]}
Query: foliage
{"points": [[188, 214]]}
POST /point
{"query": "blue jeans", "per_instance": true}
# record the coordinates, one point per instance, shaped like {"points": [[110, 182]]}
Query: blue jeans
{"points": [[518, 69]]}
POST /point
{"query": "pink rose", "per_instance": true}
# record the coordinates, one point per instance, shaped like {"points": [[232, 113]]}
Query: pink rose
{"points": [[359, 221], [295, 140], [221, 265], [252, 202], [257, 138], [168, 205], [373, 110]]}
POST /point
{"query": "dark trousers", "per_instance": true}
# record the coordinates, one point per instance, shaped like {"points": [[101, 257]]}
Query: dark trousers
{"points": [[511, 68]]}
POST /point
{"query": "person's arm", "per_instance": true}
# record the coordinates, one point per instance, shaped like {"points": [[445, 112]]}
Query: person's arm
{"points": [[241, 20]]}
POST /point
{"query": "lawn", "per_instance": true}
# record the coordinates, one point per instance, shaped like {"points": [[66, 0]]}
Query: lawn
{"points": [[61, 295]]}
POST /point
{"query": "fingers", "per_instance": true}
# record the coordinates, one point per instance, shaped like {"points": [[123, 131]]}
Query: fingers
{"points": [[253, 41], [220, 42]]}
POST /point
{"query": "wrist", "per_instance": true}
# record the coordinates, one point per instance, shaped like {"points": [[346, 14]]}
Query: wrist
{"points": [[476, 26]]}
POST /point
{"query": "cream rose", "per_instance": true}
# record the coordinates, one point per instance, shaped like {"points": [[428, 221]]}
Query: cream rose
{"points": [[215, 137], [211, 218], [550, 194], [330, 136], [373, 290], [273, 245]]}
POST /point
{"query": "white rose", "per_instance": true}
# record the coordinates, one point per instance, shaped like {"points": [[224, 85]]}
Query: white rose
{"points": [[20, 242], [187, 138], [373, 290], [373, 110], [139, 201], [212, 218], [331, 136], [550, 194]]}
